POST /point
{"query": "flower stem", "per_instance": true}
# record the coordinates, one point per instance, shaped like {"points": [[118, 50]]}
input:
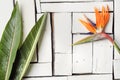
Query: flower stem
{"points": [[117, 47], [108, 37], [112, 41]]}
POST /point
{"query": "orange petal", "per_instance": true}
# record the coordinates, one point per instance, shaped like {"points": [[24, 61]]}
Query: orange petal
{"points": [[88, 26], [103, 17], [107, 15], [98, 18]]}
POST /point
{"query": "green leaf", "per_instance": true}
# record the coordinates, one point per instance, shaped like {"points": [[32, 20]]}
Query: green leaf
{"points": [[94, 37], [9, 44], [27, 49]]}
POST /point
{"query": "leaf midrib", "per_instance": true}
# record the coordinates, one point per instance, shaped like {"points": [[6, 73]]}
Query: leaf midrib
{"points": [[10, 52]]}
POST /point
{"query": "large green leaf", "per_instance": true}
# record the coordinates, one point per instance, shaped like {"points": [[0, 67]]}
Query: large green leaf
{"points": [[27, 49], [9, 44]]}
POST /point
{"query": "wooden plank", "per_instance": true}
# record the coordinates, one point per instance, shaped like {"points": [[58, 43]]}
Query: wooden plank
{"points": [[82, 56], [63, 64], [62, 32], [91, 77], [47, 78], [80, 28], [45, 47], [63, 0], [28, 17], [39, 69], [117, 25], [6, 7], [71, 0], [117, 69], [74, 7], [102, 57], [38, 6]]}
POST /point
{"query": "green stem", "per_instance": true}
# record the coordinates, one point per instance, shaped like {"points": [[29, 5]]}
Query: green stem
{"points": [[117, 47]]}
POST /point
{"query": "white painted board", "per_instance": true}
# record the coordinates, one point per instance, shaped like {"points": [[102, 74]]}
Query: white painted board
{"points": [[47, 78], [38, 9], [28, 15], [39, 69], [62, 32], [63, 64], [74, 7], [117, 26], [82, 56], [117, 69], [91, 77], [63, 0], [45, 46], [70, 0], [102, 56]]}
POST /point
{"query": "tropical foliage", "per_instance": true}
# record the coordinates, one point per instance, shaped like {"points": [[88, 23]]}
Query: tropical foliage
{"points": [[15, 56]]}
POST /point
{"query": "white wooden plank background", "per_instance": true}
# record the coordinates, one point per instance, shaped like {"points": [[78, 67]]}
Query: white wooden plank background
{"points": [[117, 38], [28, 14], [42, 69], [82, 56], [117, 69], [74, 7], [102, 57], [70, 0], [63, 64], [45, 52], [47, 78], [62, 32], [117, 28], [56, 59], [38, 8], [63, 0], [91, 77]]}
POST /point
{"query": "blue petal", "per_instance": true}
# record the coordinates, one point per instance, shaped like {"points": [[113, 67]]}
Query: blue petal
{"points": [[91, 22]]}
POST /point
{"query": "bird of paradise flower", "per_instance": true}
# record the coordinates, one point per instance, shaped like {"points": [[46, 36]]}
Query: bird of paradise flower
{"points": [[102, 18]]}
